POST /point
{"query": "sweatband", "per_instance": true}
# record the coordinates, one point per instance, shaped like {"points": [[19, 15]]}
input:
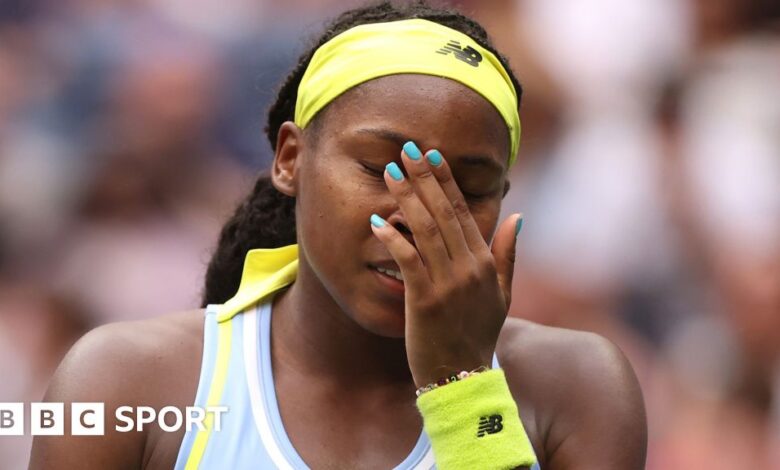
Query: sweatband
{"points": [[413, 46], [474, 423]]}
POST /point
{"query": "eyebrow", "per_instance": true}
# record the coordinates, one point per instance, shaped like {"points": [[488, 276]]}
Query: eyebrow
{"points": [[400, 140]]}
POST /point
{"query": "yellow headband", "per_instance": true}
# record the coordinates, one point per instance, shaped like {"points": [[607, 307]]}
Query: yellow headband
{"points": [[417, 46]]}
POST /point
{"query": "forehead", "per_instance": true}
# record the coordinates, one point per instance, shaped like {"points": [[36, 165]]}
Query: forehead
{"points": [[434, 112]]}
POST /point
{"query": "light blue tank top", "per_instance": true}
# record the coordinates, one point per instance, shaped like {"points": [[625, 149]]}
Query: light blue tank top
{"points": [[237, 357]]}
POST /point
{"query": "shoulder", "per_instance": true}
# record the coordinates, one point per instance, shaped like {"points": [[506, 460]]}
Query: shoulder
{"points": [[568, 355], [133, 350], [136, 363], [587, 400]]}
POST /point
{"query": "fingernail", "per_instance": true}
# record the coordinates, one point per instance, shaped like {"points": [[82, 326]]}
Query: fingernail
{"points": [[377, 221], [394, 171], [434, 157], [518, 226], [411, 149]]}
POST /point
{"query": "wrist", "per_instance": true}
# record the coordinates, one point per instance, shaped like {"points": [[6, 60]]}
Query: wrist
{"points": [[443, 369], [451, 378]]}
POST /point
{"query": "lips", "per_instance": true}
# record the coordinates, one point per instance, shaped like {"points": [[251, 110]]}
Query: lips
{"points": [[391, 272], [391, 279]]}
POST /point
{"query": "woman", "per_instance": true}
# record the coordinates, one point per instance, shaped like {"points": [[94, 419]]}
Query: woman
{"points": [[376, 280]]}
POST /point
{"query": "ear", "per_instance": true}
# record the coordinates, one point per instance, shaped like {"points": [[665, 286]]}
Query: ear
{"points": [[286, 166]]}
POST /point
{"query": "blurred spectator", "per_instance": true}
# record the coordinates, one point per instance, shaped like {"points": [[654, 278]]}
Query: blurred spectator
{"points": [[37, 328], [596, 225], [724, 148], [158, 192]]}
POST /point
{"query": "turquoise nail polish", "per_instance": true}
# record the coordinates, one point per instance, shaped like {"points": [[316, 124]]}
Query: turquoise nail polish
{"points": [[377, 221], [518, 226], [434, 157], [411, 149], [394, 171]]}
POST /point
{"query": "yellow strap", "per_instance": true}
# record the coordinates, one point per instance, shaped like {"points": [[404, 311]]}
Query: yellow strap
{"points": [[266, 270], [224, 338]]}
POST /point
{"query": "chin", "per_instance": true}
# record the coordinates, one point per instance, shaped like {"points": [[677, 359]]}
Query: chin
{"points": [[387, 331], [382, 321]]}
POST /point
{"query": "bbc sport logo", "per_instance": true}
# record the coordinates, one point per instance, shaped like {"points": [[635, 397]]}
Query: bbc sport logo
{"points": [[88, 419]]}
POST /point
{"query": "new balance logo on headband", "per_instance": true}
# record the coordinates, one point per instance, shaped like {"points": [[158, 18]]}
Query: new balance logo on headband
{"points": [[489, 425], [467, 54]]}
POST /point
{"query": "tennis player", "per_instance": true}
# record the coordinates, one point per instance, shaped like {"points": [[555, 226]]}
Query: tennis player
{"points": [[356, 305]]}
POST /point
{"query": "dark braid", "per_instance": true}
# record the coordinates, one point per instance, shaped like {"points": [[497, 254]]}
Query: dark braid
{"points": [[266, 219]]}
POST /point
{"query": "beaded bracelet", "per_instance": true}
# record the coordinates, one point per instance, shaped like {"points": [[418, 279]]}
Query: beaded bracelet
{"points": [[452, 378]]}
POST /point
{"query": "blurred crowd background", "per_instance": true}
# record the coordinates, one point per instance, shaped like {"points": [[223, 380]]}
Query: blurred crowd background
{"points": [[649, 176]]}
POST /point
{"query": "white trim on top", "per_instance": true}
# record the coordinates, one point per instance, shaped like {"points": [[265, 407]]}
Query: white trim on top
{"points": [[255, 392], [251, 342], [427, 462]]}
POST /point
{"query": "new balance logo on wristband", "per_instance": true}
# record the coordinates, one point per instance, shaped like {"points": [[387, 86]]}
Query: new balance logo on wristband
{"points": [[466, 54], [489, 425]]}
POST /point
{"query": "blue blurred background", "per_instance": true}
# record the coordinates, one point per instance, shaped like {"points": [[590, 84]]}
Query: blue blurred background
{"points": [[649, 176]]}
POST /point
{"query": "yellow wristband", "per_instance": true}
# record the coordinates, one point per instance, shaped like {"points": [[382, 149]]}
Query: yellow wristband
{"points": [[474, 423]]}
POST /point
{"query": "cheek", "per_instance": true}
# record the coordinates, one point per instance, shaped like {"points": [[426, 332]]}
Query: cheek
{"points": [[339, 193], [486, 217], [335, 206]]}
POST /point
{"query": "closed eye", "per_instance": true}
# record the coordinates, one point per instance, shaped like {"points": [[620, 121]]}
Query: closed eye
{"points": [[380, 173], [474, 199], [377, 172]]}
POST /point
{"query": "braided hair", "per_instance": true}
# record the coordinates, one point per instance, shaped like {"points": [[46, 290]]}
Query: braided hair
{"points": [[266, 218]]}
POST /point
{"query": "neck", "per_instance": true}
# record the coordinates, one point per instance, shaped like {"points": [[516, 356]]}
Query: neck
{"points": [[312, 336]]}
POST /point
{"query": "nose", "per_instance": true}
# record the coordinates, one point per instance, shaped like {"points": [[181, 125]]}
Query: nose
{"points": [[398, 221]]}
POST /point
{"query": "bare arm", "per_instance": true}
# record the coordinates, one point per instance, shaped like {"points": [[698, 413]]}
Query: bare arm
{"points": [[602, 423], [101, 367], [589, 407]]}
